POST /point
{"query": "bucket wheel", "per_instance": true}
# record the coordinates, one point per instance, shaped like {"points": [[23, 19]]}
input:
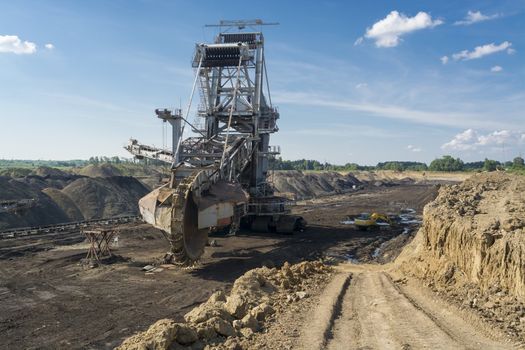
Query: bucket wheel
{"points": [[186, 239]]}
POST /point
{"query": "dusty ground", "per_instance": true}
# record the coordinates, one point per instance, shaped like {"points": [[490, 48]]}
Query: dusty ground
{"points": [[370, 306], [377, 313], [48, 300]]}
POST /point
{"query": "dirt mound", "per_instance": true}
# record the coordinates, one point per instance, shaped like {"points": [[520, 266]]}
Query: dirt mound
{"points": [[303, 185], [54, 181], [15, 172], [64, 198], [65, 203], [472, 246], [307, 185], [99, 170], [45, 171], [44, 212], [226, 322], [122, 169], [106, 197], [406, 177]]}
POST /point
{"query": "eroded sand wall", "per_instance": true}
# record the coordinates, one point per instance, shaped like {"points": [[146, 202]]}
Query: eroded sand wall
{"points": [[473, 233]]}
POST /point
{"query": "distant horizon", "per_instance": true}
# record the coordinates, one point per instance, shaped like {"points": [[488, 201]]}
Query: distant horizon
{"points": [[334, 164]]}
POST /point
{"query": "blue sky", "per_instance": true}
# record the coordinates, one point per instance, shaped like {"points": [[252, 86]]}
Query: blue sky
{"points": [[354, 81]]}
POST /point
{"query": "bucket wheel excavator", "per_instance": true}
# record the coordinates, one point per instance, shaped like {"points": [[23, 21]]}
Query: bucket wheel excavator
{"points": [[219, 174]]}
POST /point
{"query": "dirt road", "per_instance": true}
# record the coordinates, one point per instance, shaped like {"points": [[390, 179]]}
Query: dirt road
{"points": [[374, 312]]}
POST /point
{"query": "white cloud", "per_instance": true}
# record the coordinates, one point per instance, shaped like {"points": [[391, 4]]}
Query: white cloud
{"points": [[463, 141], [49, 46], [444, 59], [480, 51], [511, 51], [471, 140], [500, 137], [358, 41], [414, 148], [388, 31], [496, 69], [361, 85], [13, 44], [474, 17]]}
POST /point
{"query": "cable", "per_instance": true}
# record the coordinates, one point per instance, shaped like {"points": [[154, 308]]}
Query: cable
{"points": [[189, 104]]}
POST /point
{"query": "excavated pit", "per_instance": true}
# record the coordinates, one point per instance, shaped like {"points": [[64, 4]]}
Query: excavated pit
{"points": [[75, 303]]}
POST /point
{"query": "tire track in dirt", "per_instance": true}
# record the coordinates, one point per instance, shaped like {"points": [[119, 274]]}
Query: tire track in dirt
{"points": [[377, 314], [330, 307]]}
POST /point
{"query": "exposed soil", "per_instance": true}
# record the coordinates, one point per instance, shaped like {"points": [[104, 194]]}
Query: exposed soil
{"points": [[308, 184], [48, 300], [377, 313], [370, 306], [92, 192], [102, 170], [471, 249], [122, 169], [257, 298], [63, 198], [413, 176], [46, 211], [106, 197]]}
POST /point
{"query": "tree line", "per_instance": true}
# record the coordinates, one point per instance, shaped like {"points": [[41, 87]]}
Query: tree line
{"points": [[445, 163], [27, 163]]}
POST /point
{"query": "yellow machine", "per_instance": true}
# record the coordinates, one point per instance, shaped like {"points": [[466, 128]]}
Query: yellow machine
{"points": [[374, 220]]}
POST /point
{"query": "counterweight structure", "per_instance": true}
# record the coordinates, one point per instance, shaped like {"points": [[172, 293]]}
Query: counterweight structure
{"points": [[219, 176]]}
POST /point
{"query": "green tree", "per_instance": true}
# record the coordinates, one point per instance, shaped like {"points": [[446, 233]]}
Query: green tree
{"points": [[490, 165], [473, 166], [394, 166], [518, 162], [350, 166], [446, 163], [401, 166]]}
